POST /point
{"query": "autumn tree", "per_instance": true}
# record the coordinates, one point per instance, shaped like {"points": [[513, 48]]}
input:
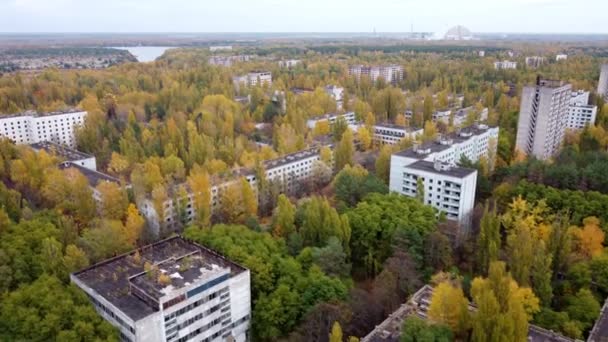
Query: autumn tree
{"points": [[383, 163], [449, 307], [200, 186], [113, 202], [343, 154], [589, 239], [283, 217], [488, 240]]}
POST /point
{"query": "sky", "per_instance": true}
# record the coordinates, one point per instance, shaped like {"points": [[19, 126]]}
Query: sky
{"points": [[535, 16]]}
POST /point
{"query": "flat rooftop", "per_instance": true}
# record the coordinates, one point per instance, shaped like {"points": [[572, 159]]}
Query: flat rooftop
{"points": [[183, 261], [60, 151], [290, 158], [36, 114], [94, 177], [599, 333], [462, 135], [330, 115], [454, 171], [399, 127], [418, 304]]}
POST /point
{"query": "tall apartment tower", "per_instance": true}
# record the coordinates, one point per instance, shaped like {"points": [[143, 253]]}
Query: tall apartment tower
{"points": [[602, 87], [543, 117]]}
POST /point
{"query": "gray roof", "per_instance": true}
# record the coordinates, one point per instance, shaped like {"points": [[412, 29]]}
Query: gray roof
{"points": [[454, 171], [113, 278], [94, 177], [60, 151], [36, 114]]}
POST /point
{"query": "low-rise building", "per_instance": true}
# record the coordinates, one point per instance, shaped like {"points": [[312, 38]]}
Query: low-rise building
{"points": [[173, 290], [418, 305], [442, 116], [503, 65], [561, 57], [214, 48], [390, 134], [66, 154], [31, 127], [349, 118], [461, 115], [94, 178]]}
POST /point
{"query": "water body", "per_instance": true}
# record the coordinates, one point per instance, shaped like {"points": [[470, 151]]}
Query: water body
{"points": [[145, 53]]}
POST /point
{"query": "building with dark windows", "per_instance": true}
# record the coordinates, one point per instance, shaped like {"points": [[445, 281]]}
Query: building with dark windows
{"points": [[173, 290], [31, 127]]}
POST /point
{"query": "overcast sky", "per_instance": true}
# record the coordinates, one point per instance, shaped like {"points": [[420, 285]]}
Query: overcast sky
{"points": [[539, 16]]}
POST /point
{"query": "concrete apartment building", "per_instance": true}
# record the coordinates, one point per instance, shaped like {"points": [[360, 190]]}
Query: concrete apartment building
{"points": [[349, 118], [535, 61], [461, 115], [336, 93], [214, 48], [94, 178], [253, 78], [561, 57], [418, 305], [504, 65], [580, 112], [227, 61], [543, 118], [173, 290], [289, 63], [390, 134], [289, 173], [602, 86], [31, 127], [449, 188], [390, 73]]}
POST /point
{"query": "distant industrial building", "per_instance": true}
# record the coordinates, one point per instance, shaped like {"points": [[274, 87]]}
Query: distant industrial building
{"points": [[390, 134], [580, 112], [171, 291], [505, 65], [31, 127], [602, 87], [458, 33], [543, 118], [389, 73]]}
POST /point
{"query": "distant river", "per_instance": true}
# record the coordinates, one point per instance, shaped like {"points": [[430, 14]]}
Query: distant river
{"points": [[145, 53]]}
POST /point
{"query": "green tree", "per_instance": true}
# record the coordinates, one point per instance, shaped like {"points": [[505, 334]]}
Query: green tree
{"points": [[283, 218], [383, 164], [343, 154], [415, 329], [488, 240], [584, 308]]}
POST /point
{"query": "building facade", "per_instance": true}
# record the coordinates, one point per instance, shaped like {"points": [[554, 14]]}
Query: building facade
{"points": [[171, 291], [66, 154], [253, 78], [543, 118], [289, 173], [580, 113], [228, 60], [336, 93], [503, 65], [289, 63], [389, 134], [390, 73], [561, 57], [535, 61], [30, 127], [349, 118], [602, 87]]}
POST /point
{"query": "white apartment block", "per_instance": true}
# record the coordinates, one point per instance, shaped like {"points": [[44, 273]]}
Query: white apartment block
{"points": [[535, 61], [448, 188], [389, 134], [227, 61], [349, 118], [561, 57], [336, 93], [481, 53], [390, 73], [461, 115], [503, 65], [30, 127], [543, 118], [442, 116], [602, 87], [289, 172], [472, 142], [171, 291], [580, 113], [253, 78], [290, 63]]}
